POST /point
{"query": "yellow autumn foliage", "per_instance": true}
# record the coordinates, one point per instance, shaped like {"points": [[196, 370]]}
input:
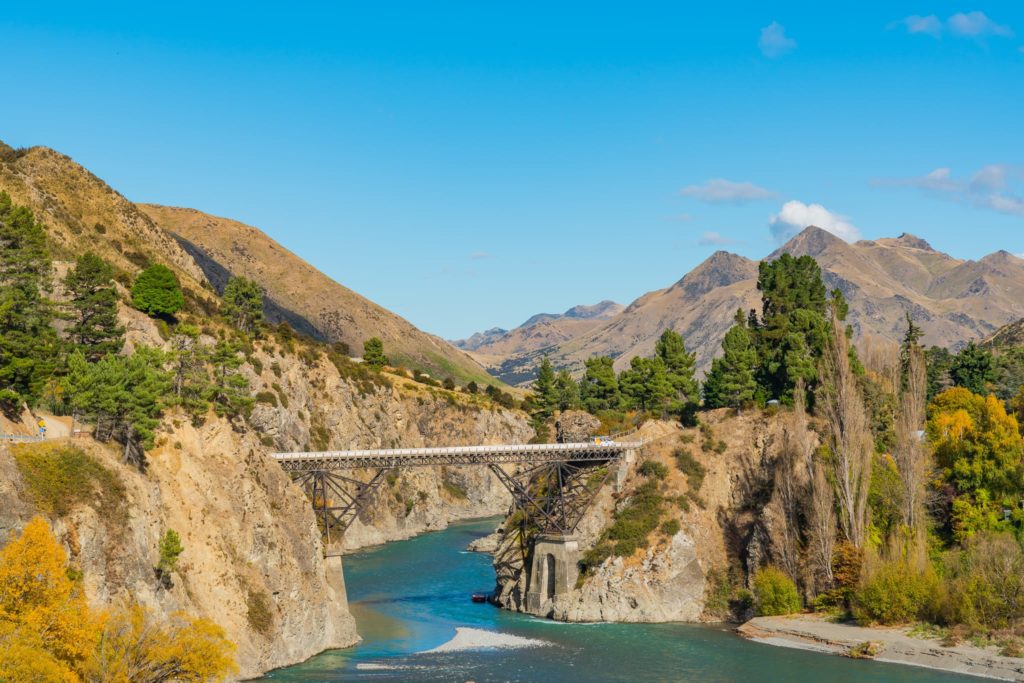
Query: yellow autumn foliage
{"points": [[45, 621], [49, 634]]}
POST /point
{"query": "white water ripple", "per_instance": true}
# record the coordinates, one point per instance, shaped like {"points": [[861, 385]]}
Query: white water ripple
{"points": [[477, 639]]}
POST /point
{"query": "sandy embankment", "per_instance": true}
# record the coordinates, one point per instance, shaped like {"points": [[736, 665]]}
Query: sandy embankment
{"points": [[813, 632]]}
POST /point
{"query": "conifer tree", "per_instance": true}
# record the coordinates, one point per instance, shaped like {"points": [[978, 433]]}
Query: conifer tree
{"points": [[156, 291], [567, 392], [646, 383], [679, 366], [544, 387], [373, 353], [230, 391], [973, 368], [243, 304], [93, 302], [731, 382], [190, 380], [28, 343], [599, 387]]}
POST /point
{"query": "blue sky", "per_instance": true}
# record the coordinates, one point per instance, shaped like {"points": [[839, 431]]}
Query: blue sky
{"points": [[470, 164]]}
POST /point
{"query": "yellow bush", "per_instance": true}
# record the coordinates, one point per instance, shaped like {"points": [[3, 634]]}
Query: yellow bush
{"points": [[43, 614]]}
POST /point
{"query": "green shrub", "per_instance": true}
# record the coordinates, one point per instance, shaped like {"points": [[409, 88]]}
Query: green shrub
{"points": [[775, 593], [268, 397], [170, 549], [258, 612], [636, 520], [985, 582], [653, 470], [454, 490], [691, 467], [670, 527], [156, 291], [257, 365], [896, 593], [59, 477]]}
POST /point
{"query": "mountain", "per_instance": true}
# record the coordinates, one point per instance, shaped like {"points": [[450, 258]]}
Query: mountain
{"points": [[81, 212], [953, 301], [540, 331]]}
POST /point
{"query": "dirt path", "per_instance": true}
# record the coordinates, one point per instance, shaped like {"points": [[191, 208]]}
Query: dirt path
{"points": [[813, 632]]}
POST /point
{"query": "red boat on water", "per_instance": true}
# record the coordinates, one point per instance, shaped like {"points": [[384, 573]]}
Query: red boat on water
{"points": [[479, 597]]}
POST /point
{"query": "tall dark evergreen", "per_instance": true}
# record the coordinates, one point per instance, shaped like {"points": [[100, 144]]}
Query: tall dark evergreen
{"points": [[794, 326], [731, 382], [230, 388], [679, 365], [973, 368], [373, 353], [123, 394], [243, 304], [544, 387], [599, 387], [93, 307], [28, 343], [646, 383], [567, 392], [910, 344]]}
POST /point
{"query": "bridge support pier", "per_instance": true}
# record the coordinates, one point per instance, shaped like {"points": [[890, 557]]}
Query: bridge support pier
{"points": [[553, 572], [622, 470]]}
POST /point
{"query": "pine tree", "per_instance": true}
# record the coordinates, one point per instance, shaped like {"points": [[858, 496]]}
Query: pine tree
{"points": [[190, 380], [29, 345], [599, 387], [567, 392], [243, 304], [679, 365], [646, 383], [731, 382], [373, 354], [544, 387], [911, 340], [123, 394], [973, 368], [230, 392], [156, 291], [93, 302], [793, 331]]}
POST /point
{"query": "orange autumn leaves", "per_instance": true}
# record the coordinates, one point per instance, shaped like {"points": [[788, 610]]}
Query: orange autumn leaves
{"points": [[49, 633]]}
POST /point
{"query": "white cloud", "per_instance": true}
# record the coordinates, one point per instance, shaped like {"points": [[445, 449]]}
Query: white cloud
{"points": [[988, 187], [795, 216], [715, 239], [930, 24], [719, 190], [976, 25], [963, 24], [774, 42]]}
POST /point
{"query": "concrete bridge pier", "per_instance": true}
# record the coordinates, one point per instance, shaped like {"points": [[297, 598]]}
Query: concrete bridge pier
{"points": [[622, 470], [553, 572]]}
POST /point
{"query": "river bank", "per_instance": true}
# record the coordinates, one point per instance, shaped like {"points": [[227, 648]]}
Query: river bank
{"points": [[411, 602], [893, 645]]}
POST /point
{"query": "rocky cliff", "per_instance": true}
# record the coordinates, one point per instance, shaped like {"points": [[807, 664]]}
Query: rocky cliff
{"points": [[731, 520]]}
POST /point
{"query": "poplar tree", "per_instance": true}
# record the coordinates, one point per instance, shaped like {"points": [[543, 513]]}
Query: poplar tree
{"points": [[93, 303]]}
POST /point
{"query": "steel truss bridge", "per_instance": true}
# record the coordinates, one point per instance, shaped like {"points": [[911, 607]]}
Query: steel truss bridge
{"points": [[553, 484]]}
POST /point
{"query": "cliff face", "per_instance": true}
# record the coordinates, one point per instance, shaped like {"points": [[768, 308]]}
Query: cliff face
{"points": [[733, 520], [253, 559]]}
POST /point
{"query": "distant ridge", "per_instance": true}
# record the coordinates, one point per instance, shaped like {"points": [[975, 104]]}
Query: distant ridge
{"points": [[953, 301]]}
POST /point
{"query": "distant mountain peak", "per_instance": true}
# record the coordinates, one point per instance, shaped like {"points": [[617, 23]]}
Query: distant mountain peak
{"points": [[811, 241], [913, 241], [721, 269]]}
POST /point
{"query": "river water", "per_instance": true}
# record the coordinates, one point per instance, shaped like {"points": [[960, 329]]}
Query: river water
{"points": [[410, 596]]}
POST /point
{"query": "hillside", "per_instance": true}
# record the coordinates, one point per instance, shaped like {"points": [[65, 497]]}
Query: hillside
{"points": [[81, 212], [952, 300]]}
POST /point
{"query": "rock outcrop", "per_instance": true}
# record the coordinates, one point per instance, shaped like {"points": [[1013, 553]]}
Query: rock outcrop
{"points": [[733, 520]]}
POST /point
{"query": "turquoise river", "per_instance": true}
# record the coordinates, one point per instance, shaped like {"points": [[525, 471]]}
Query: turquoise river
{"points": [[409, 596]]}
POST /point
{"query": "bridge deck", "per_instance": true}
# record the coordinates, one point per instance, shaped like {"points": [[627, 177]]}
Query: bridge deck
{"points": [[455, 455]]}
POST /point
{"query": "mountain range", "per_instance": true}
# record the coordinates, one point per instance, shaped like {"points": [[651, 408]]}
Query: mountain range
{"points": [[952, 300], [82, 213]]}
